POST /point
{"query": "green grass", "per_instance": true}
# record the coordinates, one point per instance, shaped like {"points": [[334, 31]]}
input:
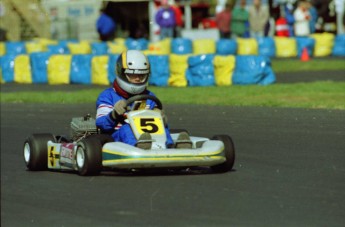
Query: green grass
{"points": [[295, 65], [327, 95]]}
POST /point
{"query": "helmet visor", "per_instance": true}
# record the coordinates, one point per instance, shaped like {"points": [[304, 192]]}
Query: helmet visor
{"points": [[136, 78]]}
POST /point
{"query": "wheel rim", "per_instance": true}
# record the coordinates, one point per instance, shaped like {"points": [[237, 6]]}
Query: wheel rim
{"points": [[27, 153], [80, 157]]}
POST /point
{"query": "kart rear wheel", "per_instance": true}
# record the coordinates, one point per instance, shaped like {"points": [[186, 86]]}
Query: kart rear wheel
{"points": [[229, 151], [36, 151], [89, 154]]}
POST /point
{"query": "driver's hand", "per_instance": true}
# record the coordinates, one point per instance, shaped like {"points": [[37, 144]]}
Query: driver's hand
{"points": [[164, 116], [119, 109]]}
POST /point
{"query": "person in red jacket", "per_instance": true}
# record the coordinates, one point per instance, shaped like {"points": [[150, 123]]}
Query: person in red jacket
{"points": [[223, 20], [178, 18]]}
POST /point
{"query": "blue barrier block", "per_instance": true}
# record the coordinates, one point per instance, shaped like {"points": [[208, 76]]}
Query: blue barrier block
{"points": [[7, 67], [305, 42], [112, 67], [181, 46], [81, 69], [226, 47], [58, 49], [15, 48], [267, 46], [201, 70], [339, 46], [253, 70], [137, 44], [39, 65], [159, 70], [100, 48]]}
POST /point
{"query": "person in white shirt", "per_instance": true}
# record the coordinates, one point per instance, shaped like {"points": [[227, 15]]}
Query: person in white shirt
{"points": [[302, 17]]}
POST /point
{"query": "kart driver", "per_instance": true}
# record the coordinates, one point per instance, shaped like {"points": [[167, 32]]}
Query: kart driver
{"points": [[133, 71]]}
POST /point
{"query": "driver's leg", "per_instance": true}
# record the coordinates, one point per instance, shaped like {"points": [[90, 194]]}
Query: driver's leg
{"points": [[125, 135]]}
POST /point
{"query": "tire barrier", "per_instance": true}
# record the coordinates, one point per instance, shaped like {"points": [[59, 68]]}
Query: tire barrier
{"points": [[167, 70], [175, 62], [319, 44], [200, 70]]}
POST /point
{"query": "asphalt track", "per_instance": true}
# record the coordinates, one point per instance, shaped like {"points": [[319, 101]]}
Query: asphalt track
{"points": [[289, 171]]}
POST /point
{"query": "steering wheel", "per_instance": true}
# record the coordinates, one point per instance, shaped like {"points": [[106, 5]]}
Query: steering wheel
{"points": [[145, 97]]}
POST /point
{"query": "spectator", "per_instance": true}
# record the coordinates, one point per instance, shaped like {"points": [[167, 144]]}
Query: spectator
{"points": [[165, 18], [302, 18], [340, 8], [178, 18], [239, 18], [313, 18], [223, 20], [258, 18], [327, 17], [3, 35], [105, 27], [282, 27], [288, 9]]}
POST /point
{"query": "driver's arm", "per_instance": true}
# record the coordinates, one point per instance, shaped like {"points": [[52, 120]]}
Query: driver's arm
{"points": [[105, 107]]}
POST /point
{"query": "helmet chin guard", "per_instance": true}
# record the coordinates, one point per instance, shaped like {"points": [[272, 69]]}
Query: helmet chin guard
{"points": [[131, 88]]}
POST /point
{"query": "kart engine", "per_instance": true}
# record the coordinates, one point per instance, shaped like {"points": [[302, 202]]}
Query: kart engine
{"points": [[82, 127]]}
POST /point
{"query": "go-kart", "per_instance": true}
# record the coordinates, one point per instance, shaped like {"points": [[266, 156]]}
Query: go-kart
{"points": [[88, 151]]}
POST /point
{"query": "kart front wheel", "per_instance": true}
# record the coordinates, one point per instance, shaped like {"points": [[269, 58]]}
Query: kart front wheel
{"points": [[89, 154], [36, 151], [229, 152]]}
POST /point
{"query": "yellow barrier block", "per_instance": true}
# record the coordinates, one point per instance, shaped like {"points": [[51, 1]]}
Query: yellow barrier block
{"points": [[2, 48], [285, 47], [59, 69], [99, 70], [45, 42], [224, 67], [247, 46], [178, 66], [32, 47], [323, 44], [121, 41], [22, 69], [116, 48], [82, 47], [161, 47], [204, 46]]}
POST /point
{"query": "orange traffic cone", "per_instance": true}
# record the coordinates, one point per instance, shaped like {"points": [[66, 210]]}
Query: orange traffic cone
{"points": [[305, 55]]}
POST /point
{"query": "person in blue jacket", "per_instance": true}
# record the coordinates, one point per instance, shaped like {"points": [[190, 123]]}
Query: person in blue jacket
{"points": [[133, 71], [165, 18], [106, 27]]}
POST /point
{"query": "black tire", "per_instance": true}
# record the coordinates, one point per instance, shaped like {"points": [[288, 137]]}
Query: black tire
{"points": [[89, 154], [229, 150], [36, 151]]}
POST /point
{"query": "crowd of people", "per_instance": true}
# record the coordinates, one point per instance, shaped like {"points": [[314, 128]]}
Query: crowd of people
{"points": [[244, 18], [286, 18]]}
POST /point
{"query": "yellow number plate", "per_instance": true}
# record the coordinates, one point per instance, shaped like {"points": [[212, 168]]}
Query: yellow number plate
{"points": [[152, 125]]}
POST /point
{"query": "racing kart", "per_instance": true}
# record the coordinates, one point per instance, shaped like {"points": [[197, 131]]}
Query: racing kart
{"points": [[88, 151]]}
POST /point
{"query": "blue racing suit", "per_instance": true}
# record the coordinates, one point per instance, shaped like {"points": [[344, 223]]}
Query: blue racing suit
{"points": [[121, 133]]}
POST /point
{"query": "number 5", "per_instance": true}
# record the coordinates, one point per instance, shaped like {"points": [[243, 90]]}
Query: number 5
{"points": [[148, 125]]}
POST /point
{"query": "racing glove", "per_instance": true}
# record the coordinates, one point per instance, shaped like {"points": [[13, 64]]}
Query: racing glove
{"points": [[119, 110]]}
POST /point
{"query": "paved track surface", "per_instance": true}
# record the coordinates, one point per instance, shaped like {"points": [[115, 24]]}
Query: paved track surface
{"points": [[289, 171]]}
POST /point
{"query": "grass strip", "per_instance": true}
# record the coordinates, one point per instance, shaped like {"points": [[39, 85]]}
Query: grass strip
{"points": [[295, 65], [323, 95]]}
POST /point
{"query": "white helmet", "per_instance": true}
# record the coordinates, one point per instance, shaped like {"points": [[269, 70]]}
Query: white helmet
{"points": [[136, 63]]}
